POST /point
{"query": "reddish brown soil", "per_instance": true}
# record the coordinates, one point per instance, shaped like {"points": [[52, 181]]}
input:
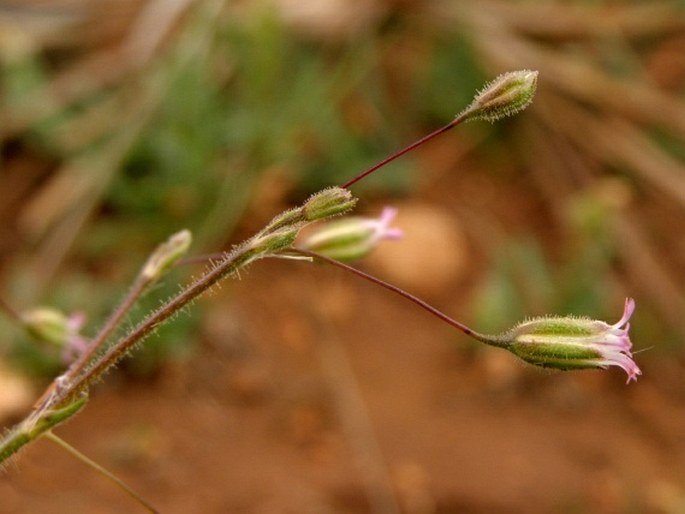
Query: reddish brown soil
{"points": [[319, 393]]}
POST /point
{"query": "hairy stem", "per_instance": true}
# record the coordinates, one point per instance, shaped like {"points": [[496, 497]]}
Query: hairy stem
{"points": [[230, 264], [112, 322]]}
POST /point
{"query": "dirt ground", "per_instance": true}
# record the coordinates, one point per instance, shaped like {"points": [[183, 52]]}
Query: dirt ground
{"points": [[357, 405]]}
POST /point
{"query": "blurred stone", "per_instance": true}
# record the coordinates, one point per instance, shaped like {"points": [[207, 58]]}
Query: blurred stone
{"points": [[250, 381], [502, 371], [336, 300], [431, 254], [223, 328], [665, 496], [412, 483], [17, 393]]}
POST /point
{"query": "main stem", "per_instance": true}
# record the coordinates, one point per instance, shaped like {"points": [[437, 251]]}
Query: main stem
{"points": [[456, 121], [96, 344]]}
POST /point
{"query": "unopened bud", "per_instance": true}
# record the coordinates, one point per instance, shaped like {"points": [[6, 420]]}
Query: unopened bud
{"points": [[350, 239], [47, 325], [575, 343], [505, 96], [273, 242], [166, 255], [329, 202], [291, 217]]}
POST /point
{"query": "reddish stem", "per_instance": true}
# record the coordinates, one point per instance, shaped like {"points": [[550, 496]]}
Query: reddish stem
{"points": [[491, 340], [456, 121]]}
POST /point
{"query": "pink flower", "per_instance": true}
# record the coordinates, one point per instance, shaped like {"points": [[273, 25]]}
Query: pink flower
{"points": [[75, 343], [380, 227], [352, 238], [614, 345], [53, 327], [575, 343]]}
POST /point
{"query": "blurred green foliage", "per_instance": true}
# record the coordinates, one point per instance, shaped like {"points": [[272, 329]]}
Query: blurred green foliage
{"points": [[259, 99], [254, 98]]}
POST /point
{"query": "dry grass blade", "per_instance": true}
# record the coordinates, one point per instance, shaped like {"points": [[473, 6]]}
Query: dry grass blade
{"points": [[640, 255], [353, 413], [616, 142], [93, 175], [559, 21], [568, 72], [645, 266], [61, 208], [99, 68], [555, 179]]}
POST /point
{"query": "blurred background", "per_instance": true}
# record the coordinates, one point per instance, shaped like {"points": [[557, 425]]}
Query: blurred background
{"points": [[298, 388]]}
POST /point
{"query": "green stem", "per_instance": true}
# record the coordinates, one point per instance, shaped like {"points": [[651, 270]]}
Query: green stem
{"points": [[97, 467], [35, 425], [12, 442]]}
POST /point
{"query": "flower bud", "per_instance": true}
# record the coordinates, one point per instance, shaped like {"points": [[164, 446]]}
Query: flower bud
{"points": [[575, 343], [273, 242], [327, 203], [291, 217], [352, 238], [47, 325], [51, 326], [505, 96], [166, 255]]}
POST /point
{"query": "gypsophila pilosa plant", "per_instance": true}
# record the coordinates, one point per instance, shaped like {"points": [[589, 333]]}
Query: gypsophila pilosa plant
{"points": [[559, 342]]}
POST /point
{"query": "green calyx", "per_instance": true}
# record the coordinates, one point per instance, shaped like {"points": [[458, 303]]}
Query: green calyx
{"points": [[505, 96], [167, 254], [346, 240], [282, 231], [554, 327], [275, 241], [46, 324], [329, 202], [560, 355]]}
